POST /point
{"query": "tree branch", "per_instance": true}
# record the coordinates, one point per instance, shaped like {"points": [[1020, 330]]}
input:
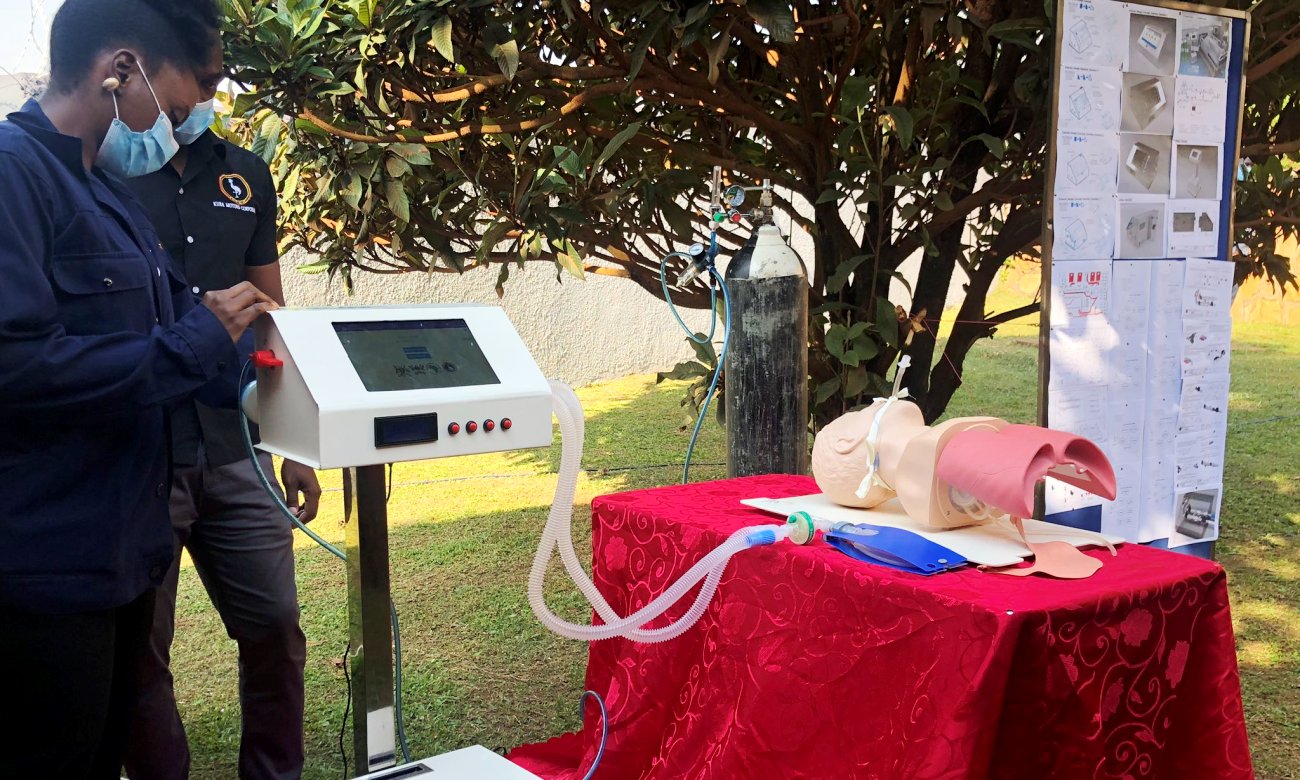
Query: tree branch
{"points": [[469, 128], [1255, 151]]}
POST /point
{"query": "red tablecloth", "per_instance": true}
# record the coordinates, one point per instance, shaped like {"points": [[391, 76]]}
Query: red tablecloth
{"points": [[811, 665]]}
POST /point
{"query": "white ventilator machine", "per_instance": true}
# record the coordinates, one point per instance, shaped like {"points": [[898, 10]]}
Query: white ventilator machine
{"points": [[358, 388]]}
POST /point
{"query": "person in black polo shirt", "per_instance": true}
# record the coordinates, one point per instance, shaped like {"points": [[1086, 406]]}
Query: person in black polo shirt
{"points": [[215, 208]]}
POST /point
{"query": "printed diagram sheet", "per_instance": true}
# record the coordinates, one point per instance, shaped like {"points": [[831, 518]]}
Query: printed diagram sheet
{"points": [[1204, 44], [1080, 292], [1141, 224], [1090, 100], [1082, 339], [1145, 162], [1203, 401], [1148, 103], [1152, 41], [1197, 172], [1083, 228], [1086, 164], [1200, 110], [1193, 228], [1095, 33]]}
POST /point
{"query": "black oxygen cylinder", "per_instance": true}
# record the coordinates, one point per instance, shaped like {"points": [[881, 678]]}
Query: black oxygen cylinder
{"points": [[767, 359]]}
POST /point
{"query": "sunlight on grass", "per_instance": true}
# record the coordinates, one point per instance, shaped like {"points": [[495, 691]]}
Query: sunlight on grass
{"points": [[1259, 654]]}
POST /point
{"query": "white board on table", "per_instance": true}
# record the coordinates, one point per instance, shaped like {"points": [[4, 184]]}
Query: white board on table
{"points": [[992, 544]]}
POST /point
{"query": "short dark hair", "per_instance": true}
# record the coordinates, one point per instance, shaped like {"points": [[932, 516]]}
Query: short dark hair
{"points": [[179, 32]]}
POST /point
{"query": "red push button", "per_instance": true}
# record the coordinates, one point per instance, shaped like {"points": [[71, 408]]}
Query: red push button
{"points": [[489, 425], [453, 429], [471, 426], [506, 424]]}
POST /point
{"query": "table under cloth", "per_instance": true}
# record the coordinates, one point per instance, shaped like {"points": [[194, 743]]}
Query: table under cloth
{"points": [[812, 665]]}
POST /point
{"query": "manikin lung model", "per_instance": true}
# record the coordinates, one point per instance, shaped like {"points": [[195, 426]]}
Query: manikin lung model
{"points": [[960, 472]]}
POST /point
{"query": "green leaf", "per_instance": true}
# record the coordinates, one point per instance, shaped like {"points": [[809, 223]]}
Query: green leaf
{"points": [[864, 349], [826, 389], [415, 154], [996, 145], [312, 25], [365, 11], [352, 193], [492, 236], [568, 161], [336, 88], [613, 146], [704, 349], [441, 38], [398, 203], [973, 103], [856, 93], [502, 276], [320, 266], [396, 166], [829, 195], [840, 276], [943, 201], [244, 102], [308, 127], [682, 371], [716, 49], [887, 321], [775, 15], [1009, 27], [855, 382], [835, 338], [289, 187], [643, 46], [568, 258], [903, 124], [507, 57]]}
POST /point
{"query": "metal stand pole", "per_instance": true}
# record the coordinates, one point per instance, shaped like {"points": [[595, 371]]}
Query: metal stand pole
{"points": [[369, 592]]}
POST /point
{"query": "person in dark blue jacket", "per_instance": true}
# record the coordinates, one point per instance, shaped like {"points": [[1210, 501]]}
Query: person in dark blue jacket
{"points": [[98, 335]]}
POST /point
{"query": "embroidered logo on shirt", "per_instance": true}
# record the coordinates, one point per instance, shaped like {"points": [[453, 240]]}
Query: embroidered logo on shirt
{"points": [[235, 187]]}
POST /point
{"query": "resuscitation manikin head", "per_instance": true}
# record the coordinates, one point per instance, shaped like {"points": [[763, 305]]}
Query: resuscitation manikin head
{"points": [[842, 457], [960, 472]]}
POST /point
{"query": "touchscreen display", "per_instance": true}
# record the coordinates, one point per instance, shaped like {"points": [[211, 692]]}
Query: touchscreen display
{"points": [[415, 354]]}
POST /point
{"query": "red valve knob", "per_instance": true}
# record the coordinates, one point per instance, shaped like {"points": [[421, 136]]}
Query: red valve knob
{"points": [[489, 426], [453, 429], [265, 358], [507, 424], [471, 426]]}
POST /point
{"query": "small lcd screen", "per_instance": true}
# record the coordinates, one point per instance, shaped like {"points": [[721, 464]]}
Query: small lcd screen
{"points": [[415, 354]]}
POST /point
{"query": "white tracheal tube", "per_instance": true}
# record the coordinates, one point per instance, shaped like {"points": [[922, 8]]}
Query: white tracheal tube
{"points": [[559, 535]]}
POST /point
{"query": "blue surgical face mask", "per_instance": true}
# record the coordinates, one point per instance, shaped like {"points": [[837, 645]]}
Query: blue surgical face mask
{"points": [[198, 122], [128, 153]]}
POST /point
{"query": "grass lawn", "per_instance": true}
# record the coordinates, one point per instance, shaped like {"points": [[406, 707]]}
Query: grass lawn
{"points": [[479, 669]]}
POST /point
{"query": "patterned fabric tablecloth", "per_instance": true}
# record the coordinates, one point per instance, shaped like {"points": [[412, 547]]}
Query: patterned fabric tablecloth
{"points": [[812, 665]]}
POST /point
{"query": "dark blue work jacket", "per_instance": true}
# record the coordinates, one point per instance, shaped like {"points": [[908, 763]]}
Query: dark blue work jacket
{"points": [[97, 336]]}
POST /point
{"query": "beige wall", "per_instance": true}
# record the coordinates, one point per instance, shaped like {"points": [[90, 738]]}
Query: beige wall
{"points": [[579, 331], [1258, 301]]}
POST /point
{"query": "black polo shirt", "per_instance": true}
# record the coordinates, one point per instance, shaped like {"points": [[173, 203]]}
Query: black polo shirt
{"points": [[215, 219]]}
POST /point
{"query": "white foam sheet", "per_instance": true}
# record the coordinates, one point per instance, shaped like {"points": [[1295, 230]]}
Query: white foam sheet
{"points": [[993, 544]]}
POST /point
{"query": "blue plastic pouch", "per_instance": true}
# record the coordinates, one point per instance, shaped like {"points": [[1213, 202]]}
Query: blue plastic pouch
{"points": [[894, 548]]}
